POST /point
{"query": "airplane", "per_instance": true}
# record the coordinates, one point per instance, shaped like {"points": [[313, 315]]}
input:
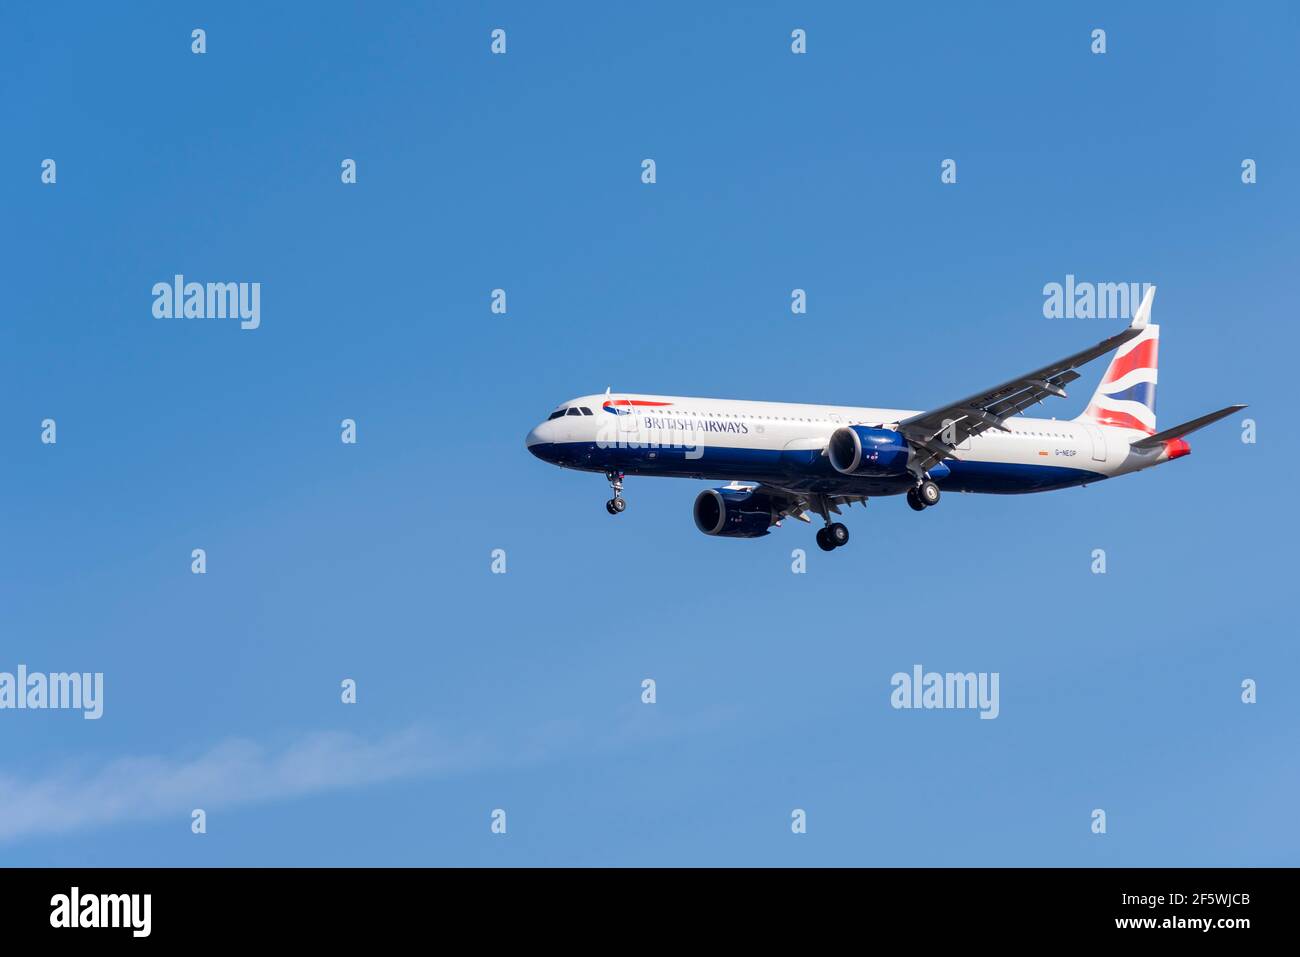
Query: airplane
{"points": [[786, 460]]}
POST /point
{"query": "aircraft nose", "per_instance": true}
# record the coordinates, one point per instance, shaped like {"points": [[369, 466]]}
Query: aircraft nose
{"points": [[541, 441]]}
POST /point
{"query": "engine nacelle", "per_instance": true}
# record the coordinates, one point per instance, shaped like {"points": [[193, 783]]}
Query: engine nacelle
{"points": [[734, 513], [858, 450]]}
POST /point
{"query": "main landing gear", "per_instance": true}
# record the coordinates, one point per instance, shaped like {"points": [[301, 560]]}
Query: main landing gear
{"points": [[832, 536], [617, 503], [923, 496]]}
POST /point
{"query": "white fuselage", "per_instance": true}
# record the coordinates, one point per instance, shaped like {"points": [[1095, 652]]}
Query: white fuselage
{"points": [[730, 438]]}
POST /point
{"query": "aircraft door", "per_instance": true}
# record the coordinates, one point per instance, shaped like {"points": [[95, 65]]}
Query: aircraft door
{"points": [[628, 420], [1098, 443]]}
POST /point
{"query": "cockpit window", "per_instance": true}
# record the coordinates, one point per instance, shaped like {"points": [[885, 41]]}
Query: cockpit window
{"points": [[569, 410]]}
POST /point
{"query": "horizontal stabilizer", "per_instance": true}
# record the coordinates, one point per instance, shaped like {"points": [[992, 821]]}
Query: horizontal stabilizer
{"points": [[1178, 431]]}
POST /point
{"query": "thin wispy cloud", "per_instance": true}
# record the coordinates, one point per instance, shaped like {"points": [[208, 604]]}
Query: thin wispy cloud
{"points": [[233, 772], [244, 772]]}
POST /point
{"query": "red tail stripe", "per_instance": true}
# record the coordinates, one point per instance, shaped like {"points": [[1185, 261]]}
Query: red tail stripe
{"points": [[1120, 419], [1143, 357]]}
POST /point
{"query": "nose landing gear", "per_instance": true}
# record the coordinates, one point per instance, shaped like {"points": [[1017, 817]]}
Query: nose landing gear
{"points": [[616, 504]]}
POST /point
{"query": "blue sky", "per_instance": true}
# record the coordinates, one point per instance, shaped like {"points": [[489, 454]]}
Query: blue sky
{"points": [[522, 691]]}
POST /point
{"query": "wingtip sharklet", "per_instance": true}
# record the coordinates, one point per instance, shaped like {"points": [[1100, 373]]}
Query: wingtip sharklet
{"points": [[1143, 314]]}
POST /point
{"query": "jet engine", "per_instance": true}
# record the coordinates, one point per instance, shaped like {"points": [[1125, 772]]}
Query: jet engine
{"points": [[859, 450], [734, 513]]}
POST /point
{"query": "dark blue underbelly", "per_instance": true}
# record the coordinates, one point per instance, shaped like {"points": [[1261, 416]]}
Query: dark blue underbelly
{"points": [[806, 469]]}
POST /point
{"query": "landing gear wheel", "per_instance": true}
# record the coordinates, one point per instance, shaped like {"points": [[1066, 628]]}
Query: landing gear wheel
{"points": [[837, 534], [615, 504], [823, 541], [912, 500], [928, 493]]}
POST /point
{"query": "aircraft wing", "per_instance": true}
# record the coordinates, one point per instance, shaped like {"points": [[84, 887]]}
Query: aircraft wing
{"points": [[796, 504], [934, 434]]}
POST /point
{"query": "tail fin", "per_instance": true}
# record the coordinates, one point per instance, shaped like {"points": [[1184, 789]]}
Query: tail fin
{"points": [[1126, 398]]}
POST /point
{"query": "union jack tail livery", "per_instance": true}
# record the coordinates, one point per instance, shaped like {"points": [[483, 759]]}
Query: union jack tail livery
{"points": [[1126, 398]]}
